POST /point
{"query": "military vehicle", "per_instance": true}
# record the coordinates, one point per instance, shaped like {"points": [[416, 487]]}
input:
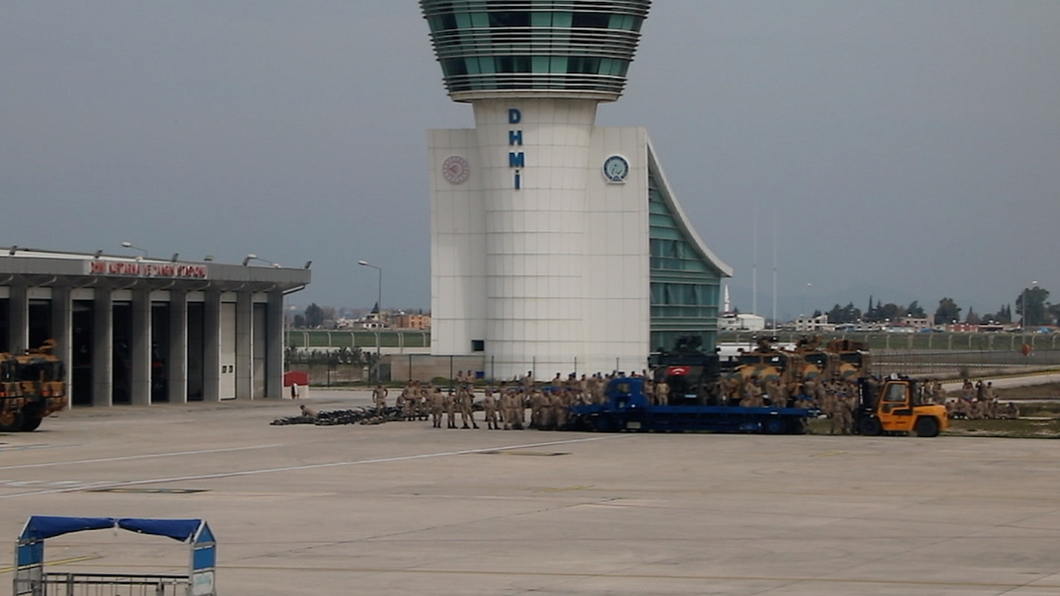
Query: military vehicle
{"points": [[32, 387], [847, 360]]}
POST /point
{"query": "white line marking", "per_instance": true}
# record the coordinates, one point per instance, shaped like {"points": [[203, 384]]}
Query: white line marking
{"points": [[310, 466], [132, 457]]}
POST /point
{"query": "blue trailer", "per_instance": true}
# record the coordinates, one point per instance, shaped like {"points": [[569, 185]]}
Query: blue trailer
{"points": [[628, 409], [32, 580]]}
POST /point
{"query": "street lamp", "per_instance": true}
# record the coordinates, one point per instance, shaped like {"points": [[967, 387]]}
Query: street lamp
{"points": [[130, 245], [379, 313], [254, 257]]}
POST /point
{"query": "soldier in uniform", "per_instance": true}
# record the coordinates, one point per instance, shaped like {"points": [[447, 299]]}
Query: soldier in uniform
{"points": [[506, 409], [379, 397], [992, 409], [407, 402], [520, 404], [450, 409], [466, 398], [583, 390], [563, 401], [779, 394], [844, 414], [423, 401], [437, 407], [1012, 411], [547, 414], [599, 390], [662, 393], [537, 406], [557, 381], [489, 408], [836, 406]]}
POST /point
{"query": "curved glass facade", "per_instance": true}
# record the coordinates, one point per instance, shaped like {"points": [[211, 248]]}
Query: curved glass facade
{"points": [[684, 283], [555, 48]]}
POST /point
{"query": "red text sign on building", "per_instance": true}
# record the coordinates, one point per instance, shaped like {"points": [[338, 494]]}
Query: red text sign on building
{"points": [[140, 269]]}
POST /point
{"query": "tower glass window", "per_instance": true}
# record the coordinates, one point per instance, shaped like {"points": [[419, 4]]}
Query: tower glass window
{"points": [[579, 49], [684, 283]]}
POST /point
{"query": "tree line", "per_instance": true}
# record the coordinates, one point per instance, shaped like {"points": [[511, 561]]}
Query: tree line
{"points": [[1034, 301]]}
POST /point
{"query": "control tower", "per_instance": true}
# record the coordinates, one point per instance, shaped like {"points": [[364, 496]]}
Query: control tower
{"points": [[556, 245]]}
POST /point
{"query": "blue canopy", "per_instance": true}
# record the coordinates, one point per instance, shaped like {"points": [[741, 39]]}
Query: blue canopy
{"points": [[177, 529], [40, 527]]}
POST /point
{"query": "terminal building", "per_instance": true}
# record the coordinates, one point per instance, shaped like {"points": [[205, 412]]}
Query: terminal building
{"points": [[142, 331], [556, 245]]}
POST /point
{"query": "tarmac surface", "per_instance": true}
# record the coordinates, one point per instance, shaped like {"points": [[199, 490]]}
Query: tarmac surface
{"points": [[401, 508]]}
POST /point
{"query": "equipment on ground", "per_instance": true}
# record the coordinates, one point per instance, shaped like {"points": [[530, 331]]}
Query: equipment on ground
{"points": [[896, 406], [627, 409], [31, 579], [32, 386]]}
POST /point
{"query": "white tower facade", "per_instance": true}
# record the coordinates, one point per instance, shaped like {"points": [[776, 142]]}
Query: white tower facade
{"points": [[542, 245]]}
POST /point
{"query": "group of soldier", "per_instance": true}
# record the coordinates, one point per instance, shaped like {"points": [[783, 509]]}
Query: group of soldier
{"points": [[505, 406], [510, 405], [977, 402], [835, 398]]}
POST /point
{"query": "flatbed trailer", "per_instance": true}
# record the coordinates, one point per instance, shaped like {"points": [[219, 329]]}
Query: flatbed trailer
{"points": [[628, 409]]}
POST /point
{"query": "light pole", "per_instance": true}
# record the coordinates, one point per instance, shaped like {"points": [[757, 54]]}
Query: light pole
{"points": [[130, 245], [379, 315]]}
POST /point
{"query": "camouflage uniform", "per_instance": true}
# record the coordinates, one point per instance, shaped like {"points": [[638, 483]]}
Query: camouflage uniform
{"points": [[662, 393], [450, 409], [437, 407], [379, 397], [489, 409], [466, 398]]}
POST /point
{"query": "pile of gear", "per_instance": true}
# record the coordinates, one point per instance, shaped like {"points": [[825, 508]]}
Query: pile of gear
{"points": [[337, 417]]}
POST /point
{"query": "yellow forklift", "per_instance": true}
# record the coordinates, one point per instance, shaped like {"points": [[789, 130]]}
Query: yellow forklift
{"points": [[895, 406]]}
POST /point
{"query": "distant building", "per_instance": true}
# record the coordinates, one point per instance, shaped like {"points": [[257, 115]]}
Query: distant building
{"points": [[916, 322], [141, 330], [741, 322], [405, 321], [816, 324]]}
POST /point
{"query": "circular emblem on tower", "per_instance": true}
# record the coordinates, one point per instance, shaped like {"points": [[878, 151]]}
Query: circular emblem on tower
{"points": [[616, 169], [456, 169]]}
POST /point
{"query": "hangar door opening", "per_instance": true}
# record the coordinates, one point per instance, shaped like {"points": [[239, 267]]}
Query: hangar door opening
{"points": [[81, 363]]}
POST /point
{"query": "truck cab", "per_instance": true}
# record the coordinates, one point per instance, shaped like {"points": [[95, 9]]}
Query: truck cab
{"points": [[894, 406]]}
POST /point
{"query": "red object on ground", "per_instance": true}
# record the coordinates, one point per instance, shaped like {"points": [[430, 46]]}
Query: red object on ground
{"points": [[290, 378]]}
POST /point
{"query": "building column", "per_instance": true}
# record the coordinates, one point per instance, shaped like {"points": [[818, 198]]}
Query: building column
{"points": [[177, 367], [274, 347], [103, 347], [244, 345], [63, 334], [18, 320], [211, 339], [140, 356]]}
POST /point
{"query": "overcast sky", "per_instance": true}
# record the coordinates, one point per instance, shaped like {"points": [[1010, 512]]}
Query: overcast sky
{"points": [[905, 148]]}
